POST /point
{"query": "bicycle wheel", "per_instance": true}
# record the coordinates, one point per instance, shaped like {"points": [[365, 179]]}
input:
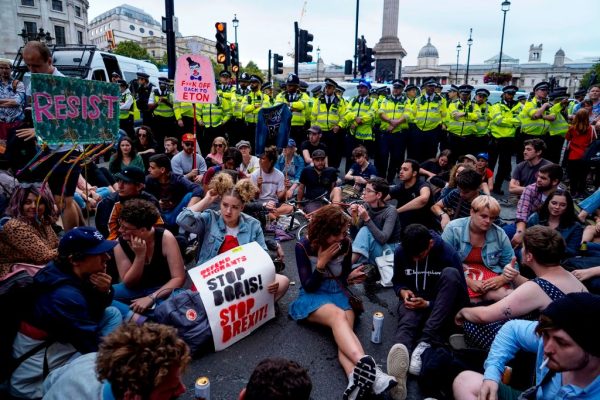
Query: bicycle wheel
{"points": [[302, 232]]}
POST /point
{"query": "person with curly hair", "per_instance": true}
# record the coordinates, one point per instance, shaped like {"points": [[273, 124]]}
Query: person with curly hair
{"points": [[324, 260], [148, 260], [277, 379], [230, 227], [27, 237], [145, 145], [133, 362]]}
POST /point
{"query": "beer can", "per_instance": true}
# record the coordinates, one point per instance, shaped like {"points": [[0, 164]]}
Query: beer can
{"points": [[377, 327], [202, 388]]}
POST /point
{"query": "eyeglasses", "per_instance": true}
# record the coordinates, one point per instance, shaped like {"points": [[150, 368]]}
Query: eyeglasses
{"points": [[218, 145]]}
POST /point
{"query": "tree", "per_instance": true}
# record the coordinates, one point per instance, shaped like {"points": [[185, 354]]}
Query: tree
{"points": [[591, 77], [252, 69], [493, 77], [131, 49]]}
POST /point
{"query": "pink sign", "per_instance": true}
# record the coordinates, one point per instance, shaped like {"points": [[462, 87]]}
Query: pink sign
{"points": [[195, 80]]}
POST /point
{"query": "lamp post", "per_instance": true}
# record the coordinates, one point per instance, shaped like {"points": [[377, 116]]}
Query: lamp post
{"points": [[505, 7], [41, 36], [469, 43], [458, 47], [236, 23], [318, 59]]}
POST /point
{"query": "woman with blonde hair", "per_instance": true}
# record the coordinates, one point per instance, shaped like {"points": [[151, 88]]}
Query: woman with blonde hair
{"points": [[218, 147]]}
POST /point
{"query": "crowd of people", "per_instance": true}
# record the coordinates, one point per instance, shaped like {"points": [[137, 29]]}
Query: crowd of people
{"points": [[419, 172]]}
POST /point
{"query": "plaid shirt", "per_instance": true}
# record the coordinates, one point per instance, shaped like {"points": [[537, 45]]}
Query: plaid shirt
{"points": [[530, 201]]}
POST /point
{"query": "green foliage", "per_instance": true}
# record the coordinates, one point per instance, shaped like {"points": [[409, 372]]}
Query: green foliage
{"points": [[252, 69], [592, 75], [133, 50], [493, 77]]}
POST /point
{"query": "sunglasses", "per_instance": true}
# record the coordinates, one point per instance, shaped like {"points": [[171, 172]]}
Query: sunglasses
{"points": [[218, 145], [142, 135], [188, 143]]}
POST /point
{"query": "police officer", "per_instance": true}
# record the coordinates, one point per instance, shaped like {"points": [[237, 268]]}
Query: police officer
{"points": [[559, 99], [359, 120], [429, 110], [126, 109], [536, 116], [267, 88], [328, 113], [298, 103], [237, 126], [163, 116], [395, 113], [212, 119], [251, 105], [226, 92], [145, 98], [461, 123], [481, 139], [450, 96], [503, 127]]}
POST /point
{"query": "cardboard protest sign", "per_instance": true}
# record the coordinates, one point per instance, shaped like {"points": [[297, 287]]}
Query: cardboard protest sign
{"points": [[74, 110], [233, 288], [195, 80]]}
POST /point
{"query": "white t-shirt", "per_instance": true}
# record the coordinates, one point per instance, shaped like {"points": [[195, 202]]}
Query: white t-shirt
{"points": [[252, 166], [272, 183]]}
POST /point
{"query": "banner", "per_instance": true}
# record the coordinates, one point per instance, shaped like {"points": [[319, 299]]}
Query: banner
{"points": [[233, 288], [195, 79], [71, 110]]}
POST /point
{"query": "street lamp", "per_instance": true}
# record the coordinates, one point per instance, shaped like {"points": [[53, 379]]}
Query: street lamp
{"points": [[458, 47], [40, 36], [318, 59], [505, 7], [236, 23], [469, 43]]}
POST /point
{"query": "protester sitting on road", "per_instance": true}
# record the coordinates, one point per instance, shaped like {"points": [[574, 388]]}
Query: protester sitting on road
{"points": [[362, 170], [580, 136], [70, 310], [250, 163], [377, 222], [269, 180], [231, 159], [452, 175], [171, 146], [27, 236], [457, 203], [308, 147], [277, 379], [219, 231], [183, 162], [324, 267], [483, 248], [123, 368], [317, 180], [148, 259], [218, 147], [558, 212], [291, 164], [430, 284], [567, 354], [126, 156], [526, 171], [543, 248], [173, 191], [487, 175], [145, 144], [439, 166]]}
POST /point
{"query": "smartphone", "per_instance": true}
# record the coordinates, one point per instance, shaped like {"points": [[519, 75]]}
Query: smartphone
{"points": [[368, 269]]}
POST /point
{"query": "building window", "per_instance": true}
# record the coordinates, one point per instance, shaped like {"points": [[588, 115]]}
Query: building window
{"points": [[153, 53], [142, 30], [57, 5], [31, 28], [30, 3], [79, 37], [78, 11], [151, 33], [132, 27], [532, 82], [59, 35]]}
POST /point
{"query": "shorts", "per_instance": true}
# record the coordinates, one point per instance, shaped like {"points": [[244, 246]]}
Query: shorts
{"points": [[56, 181]]}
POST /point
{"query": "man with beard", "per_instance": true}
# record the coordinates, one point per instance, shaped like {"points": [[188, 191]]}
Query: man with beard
{"points": [[567, 354], [183, 162], [316, 180]]}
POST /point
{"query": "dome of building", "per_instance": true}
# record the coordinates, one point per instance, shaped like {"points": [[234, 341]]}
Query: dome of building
{"points": [[560, 53], [428, 50]]}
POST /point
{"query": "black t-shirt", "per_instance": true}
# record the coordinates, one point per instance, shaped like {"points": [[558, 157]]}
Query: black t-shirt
{"points": [[316, 184], [404, 195], [307, 145]]}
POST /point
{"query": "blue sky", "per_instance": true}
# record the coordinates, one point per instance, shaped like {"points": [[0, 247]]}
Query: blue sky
{"points": [[268, 24]]}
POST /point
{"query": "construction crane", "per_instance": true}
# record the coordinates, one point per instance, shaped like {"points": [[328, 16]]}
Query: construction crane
{"points": [[293, 47]]}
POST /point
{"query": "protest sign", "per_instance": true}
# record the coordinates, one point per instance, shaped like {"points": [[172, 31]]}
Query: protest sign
{"points": [[195, 80], [70, 110], [233, 288]]}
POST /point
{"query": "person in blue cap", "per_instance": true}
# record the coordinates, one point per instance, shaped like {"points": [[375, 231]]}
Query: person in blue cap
{"points": [[359, 120]]}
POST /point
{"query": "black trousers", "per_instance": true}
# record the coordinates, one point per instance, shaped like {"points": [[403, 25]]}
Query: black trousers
{"points": [[127, 125], [206, 135], [554, 145], [501, 151], [163, 127], [423, 145], [433, 325], [188, 126], [335, 147]]}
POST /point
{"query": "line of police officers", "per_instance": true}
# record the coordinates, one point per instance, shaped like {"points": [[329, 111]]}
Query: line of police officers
{"points": [[389, 124]]}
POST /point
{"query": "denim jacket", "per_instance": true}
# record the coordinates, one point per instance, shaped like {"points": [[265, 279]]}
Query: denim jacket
{"points": [[496, 252], [210, 228]]}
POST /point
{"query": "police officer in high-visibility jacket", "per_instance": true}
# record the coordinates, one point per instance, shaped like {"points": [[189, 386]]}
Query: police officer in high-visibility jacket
{"points": [[163, 121], [536, 116], [481, 140], [237, 126], [251, 105], [212, 119], [429, 109], [461, 123], [503, 128], [328, 113], [226, 91], [298, 104], [395, 113], [559, 99], [125, 109], [184, 115], [359, 120]]}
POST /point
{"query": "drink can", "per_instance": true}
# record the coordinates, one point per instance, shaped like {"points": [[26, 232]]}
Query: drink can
{"points": [[377, 327], [202, 388]]}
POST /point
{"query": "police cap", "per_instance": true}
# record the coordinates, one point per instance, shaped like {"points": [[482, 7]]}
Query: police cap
{"points": [[329, 81], [482, 92], [542, 86], [293, 79], [510, 89], [398, 83], [465, 89]]}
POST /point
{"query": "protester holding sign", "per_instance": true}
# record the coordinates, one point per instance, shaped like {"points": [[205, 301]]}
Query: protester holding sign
{"points": [[219, 231], [324, 261]]}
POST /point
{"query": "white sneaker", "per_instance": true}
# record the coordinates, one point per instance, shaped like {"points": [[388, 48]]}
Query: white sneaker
{"points": [[383, 381], [397, 366], [415, 359], [351, 390], [362, 380]]}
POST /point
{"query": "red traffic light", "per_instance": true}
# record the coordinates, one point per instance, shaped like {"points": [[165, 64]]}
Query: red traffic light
{"points": [[232, 46], [220, 26]]}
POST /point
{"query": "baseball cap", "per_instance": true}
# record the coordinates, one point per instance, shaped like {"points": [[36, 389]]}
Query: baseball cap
{"points": [[483, 155], [131, 174], [315, 129], [291, 143], [318, 154], [467, 156], [188, 137], [84, 240]]}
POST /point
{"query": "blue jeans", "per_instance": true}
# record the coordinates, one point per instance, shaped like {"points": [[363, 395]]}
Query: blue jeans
{"points": [[170, 217], [365, 244], [591, 203], [110, 321], [124, 296]]}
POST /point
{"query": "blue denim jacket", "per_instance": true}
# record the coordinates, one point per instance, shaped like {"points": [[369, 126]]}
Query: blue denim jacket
{"points": [[496, 252], [210, 228]]}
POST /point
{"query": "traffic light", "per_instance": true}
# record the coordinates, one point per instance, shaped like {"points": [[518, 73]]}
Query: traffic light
{"points": [[366, 61], [235, 57], [304, 46], [277, 64], [222, 48]]}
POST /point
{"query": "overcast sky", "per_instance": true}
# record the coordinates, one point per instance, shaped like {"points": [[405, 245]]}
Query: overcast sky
{"points": [[268, 24]]}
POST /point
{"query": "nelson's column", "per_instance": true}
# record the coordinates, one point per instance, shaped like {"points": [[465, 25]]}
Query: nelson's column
{"points": [[389, 52]]}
